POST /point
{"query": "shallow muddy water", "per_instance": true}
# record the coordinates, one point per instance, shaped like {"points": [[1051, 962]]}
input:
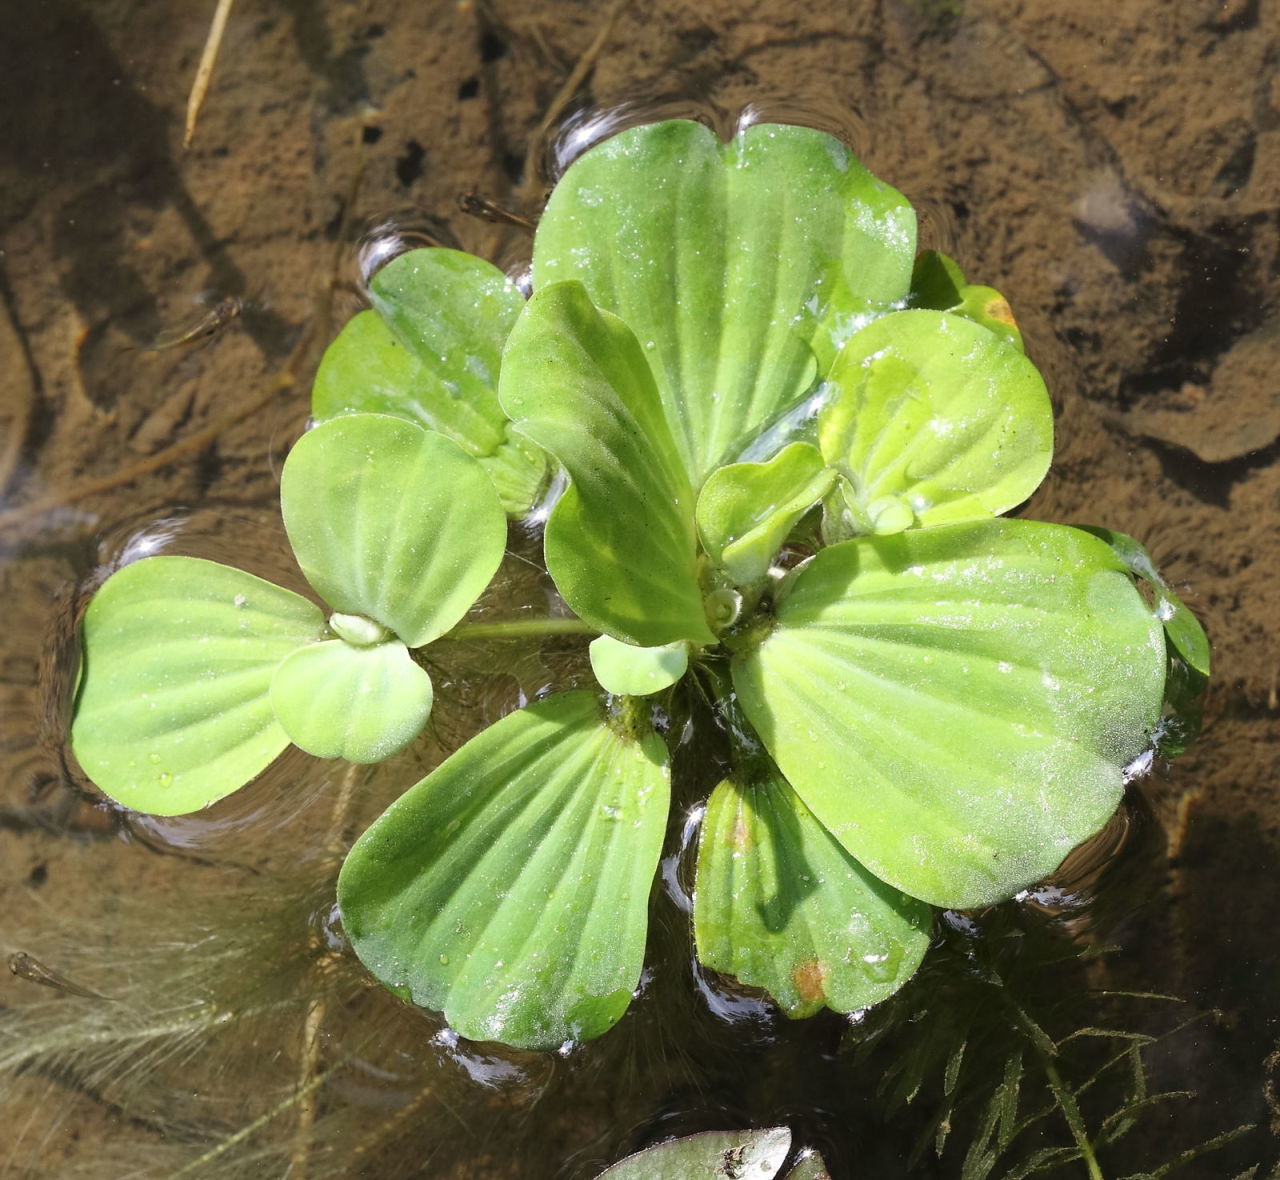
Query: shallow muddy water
{"points": [[1112, 166]]}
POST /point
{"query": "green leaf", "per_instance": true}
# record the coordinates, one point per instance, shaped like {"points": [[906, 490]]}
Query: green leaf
{"points": [[620, 543], [173, 710], [626, 670], [392, 522], [510, 887], [780, 905], [956, 705], [938, 283], [711, 1155], [732, 263], [1180, 625], [937, 419], [811, 1167], [430, 352], [336, 700], [746, 510]]}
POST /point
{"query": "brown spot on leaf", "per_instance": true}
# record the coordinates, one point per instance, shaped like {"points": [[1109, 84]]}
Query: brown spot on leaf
{"points": [[999, 309], [741, 834], [810, 978]]}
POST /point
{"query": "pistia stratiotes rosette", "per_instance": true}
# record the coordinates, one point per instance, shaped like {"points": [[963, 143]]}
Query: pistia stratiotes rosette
{"points": [[786, 445]]}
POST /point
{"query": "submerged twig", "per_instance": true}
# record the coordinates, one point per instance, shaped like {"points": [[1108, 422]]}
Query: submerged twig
{"points": [[204, 72], [584, 65]]}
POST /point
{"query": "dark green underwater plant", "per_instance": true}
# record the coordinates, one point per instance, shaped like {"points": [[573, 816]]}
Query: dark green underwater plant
{"points": [[786, 445]]}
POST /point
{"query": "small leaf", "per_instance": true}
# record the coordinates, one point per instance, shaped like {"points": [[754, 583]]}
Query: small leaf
{"points": [[746, 510], [510, 887], [626, 670], [430, 352], [780, 905], [711, 1155], [956, 705], [811, 1167], [620, 544], [392, 522], [173, 710], [337, 700], [732, 263], [935, 414], [938, 283], [1180, 625]]}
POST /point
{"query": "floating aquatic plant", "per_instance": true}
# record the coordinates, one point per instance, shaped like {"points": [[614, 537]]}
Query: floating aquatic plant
{"points": [[787, 444]]}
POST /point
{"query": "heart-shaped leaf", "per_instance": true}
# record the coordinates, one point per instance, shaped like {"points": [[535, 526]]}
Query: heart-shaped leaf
{"points": [[337, 700], [731, 262], [935, 419], [627, 670], [956, 704], [430, 352], [510, 887], [173, 710], [746, 510], [780, 905], [711, 1155], [392, 522], [620, 543]]}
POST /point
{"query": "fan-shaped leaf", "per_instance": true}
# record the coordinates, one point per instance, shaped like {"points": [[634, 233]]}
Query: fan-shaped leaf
{"points": [[173, 711], [780, 905], [937, 417], [336, 700], [620, 543], [430, 352], [392, 522], [711, 1155], [732, 263], [746, 510], [627, 670], [510, 887], [956, 704]]}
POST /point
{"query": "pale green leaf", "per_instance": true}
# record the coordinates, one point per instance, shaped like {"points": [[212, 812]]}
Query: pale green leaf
{"points": [[937, 417], [711, 1155], [392, 522], [732, 263], [510, 887], [1180, 625], [780, 905], [746, 510], [173, 711], [620, 543], [430, 352], [957, 705], [811, 1167], [337, 700], [627, 670]]}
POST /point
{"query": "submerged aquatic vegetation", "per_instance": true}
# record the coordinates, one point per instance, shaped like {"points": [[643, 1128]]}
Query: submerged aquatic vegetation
{"points": [[786, 445]]}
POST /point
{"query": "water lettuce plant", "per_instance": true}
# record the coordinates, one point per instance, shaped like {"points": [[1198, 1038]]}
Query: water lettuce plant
{"points": [[779, 447]]}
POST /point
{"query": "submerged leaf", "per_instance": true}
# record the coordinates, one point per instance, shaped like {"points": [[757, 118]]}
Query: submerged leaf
{"points": [[620, 543], [956, 705], [626, 670], [510, 887], [173, 711], [430, 352], [711, 1155], [746, 510], [732, 263], [392, 522], [337, 700], [937, 416], [780, 905]]}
